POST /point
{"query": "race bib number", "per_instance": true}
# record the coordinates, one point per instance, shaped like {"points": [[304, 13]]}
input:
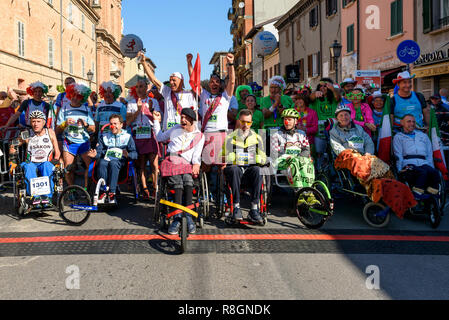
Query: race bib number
{"points": [[40, 186], [242, 158], [75, 131], [171, 125], [113, 154], [143, 133], [293, 151], [213, 118], [356, 143]]}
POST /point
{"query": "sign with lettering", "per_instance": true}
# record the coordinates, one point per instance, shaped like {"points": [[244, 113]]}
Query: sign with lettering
{"points": [[366, 78], [433, 57]]}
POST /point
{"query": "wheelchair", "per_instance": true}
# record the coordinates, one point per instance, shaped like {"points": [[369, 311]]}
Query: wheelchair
{"points": [[314, 205], [225, 204], [73, 202]]}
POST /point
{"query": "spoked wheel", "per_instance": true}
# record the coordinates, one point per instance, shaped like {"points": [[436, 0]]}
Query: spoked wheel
{"points": [[219, 197], [434, 213], [205, 205], [442, 194], [74, 205], [312, 208], [376, 215], [135, 188], [265, 198], [21, 207], [183, 234], [157, 199], [323, 188]]}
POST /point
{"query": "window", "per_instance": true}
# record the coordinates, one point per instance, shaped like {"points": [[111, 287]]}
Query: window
{"points": [[310, 66], [83, 23], [313, 17], [277, 69], [50, 52], [93, 31], [271, 72], [350, 38], [347, 2], [396, 17], [21, 38], [331, 7], [70, 12], [265, 77], [298, 29], [435, 14], [316, 64], [287, 37], [70, 62], [83, 67], [50, 2], [300, 63]]}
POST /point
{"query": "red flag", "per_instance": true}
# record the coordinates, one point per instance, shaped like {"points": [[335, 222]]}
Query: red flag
{"points": [[195, 77], [434, 135]]}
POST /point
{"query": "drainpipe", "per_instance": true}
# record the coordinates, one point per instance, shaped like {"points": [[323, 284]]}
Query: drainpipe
{"points": [[321, 40], [358, 35], [60, 39]]}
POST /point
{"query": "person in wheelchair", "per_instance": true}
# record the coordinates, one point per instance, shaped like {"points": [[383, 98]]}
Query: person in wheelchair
{"points": [[183, 161], [115, 148], [244, 150], [41, 147], [348, 135], [413, 151]]}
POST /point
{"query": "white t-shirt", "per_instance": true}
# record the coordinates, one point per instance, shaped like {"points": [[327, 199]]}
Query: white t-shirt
{"points": [[171, 116], [142, 126], [219, 119]]}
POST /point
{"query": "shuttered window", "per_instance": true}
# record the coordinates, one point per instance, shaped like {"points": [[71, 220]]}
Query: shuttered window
{"points": [[350, 38], [396, 17]]}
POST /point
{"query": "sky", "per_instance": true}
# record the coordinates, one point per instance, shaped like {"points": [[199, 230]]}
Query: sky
{"points": [[171, 29]]}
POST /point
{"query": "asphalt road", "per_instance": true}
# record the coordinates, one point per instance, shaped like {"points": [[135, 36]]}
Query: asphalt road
{"points": [[122, 255]]}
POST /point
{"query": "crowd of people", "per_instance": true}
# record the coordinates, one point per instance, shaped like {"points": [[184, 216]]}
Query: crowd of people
{"points": [[235, 129]]}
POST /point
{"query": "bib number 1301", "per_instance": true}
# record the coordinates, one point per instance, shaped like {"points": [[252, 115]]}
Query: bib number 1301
{"points": [[40, 186]]}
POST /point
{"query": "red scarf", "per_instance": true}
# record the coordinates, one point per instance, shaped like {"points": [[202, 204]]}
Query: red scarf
{"points": [[174, 100], [210, 112]]}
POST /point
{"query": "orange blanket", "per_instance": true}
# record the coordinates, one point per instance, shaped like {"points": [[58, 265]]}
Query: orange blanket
{"points": [[378, 181]]}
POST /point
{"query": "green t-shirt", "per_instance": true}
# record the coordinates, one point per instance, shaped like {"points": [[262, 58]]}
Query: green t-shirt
{"points": [[257, 119], [266, 103], [325, 111]]}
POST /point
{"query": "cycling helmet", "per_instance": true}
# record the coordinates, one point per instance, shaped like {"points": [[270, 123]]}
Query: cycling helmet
{"points": [[37, 115], [342, 107], [290, 113]]}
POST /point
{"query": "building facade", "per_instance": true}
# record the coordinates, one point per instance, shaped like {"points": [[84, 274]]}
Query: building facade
{"points": [[432, 34], [134, 71], [219, 62], [44, 41], [371, 32], [306, 33], [110, 60]]}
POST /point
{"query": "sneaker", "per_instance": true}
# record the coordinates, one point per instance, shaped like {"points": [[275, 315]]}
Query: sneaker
{"points": [[36, 201], [238, 214], [420, 196], [102, 198], [191, 224], [255, 216], [45, 200], [174, 227], [112, 198]]}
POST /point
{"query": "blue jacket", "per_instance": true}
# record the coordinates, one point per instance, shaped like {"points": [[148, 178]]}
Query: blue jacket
{"points": [[123, 141], [408, 146]]}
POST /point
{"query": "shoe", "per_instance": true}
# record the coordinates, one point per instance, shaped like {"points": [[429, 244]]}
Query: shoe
{"points": [[238, 214], [191, 224], [36, 201], [419, 196], [255, 216], [102, 198], [45, 202], [112, 198], [311, 200], [174, 227]]}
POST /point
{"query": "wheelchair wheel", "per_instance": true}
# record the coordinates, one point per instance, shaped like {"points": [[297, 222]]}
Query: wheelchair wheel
{"points": [[157, 199], [135, 183], [219, 197], [323, 188], [434, 212], [311, 208], [375, 215], [183, 234], [265, 198], [73, 205], [205, 205], [442, 193], [21, 207]]}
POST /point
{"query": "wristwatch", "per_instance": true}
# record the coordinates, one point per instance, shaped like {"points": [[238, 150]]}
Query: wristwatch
{"points": [[229, 64]]}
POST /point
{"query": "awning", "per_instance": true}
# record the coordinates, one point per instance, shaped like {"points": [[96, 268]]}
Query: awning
{"points": [[387, 73], [431, 70]]}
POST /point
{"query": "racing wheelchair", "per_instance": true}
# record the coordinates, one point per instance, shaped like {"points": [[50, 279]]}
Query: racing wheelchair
{"points": [[164, 200], [73, 202]]}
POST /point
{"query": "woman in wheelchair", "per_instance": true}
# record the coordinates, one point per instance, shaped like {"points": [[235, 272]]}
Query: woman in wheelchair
{"points": [[244, 151], [414, 154], [41, 146], [183, 161], [114, 149]]}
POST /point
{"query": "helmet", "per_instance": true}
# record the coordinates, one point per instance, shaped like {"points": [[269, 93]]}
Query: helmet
{"points": [[342, 107], [290, 113], [37, 115]]}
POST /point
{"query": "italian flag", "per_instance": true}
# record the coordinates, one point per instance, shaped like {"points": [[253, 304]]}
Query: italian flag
{"points": [[434, 135], [385, 136]]}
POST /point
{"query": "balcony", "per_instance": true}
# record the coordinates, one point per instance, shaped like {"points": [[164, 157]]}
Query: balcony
{"points": [[231, 13], [241, 61], [444, 22], [233, 27]]}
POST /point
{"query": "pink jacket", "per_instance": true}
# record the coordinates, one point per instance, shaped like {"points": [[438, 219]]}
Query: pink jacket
{"points": [[311, 125], [367, 114]]}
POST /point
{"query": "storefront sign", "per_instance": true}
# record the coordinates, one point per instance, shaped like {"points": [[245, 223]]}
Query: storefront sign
{"points": [[433, 57], [368, 77], [433, 70]]}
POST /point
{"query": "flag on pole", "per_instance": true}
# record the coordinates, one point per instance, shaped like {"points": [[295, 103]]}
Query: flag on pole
{"points": [[434, 135], [385, 134], [195, 77]]}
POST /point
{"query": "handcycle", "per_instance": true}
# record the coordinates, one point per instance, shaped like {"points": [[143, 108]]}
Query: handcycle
{"points": [[73, 202], [164, 201]]}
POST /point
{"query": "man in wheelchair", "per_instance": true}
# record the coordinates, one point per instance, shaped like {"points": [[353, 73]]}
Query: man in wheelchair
{"points": [[413, 151], [115, 148], [183, 161], [41, 146], [244, 151]]}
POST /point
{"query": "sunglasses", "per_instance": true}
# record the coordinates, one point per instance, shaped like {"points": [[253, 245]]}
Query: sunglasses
{"points": [[248, 123], [355, 95]]}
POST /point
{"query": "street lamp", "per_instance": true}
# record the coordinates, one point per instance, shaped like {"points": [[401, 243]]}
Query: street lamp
{"points": [[90, 76], [335, 49]]}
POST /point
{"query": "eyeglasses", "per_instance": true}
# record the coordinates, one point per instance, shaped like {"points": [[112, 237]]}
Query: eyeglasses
{"points": [[355, 95], [248, 123]]}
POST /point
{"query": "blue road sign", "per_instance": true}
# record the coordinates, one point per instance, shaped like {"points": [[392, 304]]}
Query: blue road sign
{"points": [[408, 51]]}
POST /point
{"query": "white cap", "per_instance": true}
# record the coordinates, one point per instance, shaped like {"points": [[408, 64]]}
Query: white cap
{"points": [[177, 75]]}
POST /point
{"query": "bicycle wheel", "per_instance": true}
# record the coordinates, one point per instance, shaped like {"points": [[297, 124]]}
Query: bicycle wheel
{"points": [[74, 205], [375, 215], [183, 234], [311, 208]]}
